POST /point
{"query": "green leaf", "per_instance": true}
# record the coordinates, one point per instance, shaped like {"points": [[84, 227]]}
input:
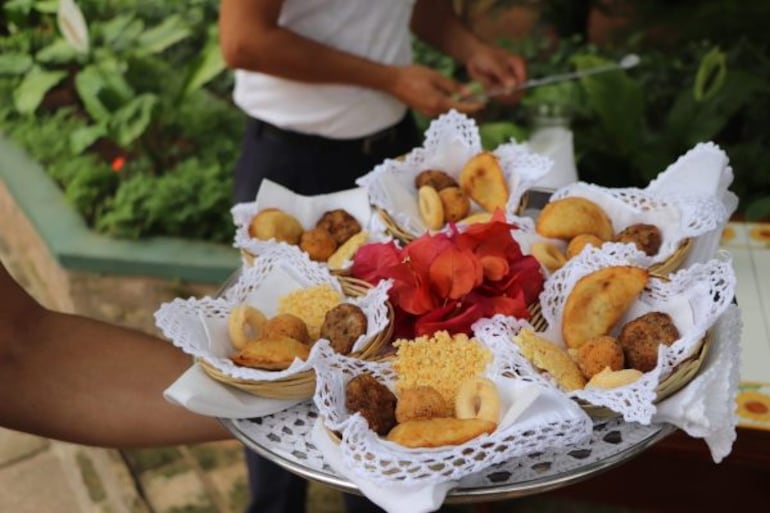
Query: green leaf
{"points": [[103, 88], [32, 89], [131, 120], [710, 75], [758, 209], [121, 31], [14, 63], [47, 6], [208, 65], [158, 38], [493, 134], [84, 137], [617, 101], [58, 52]]}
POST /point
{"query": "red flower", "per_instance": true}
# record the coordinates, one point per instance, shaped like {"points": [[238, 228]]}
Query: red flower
{"points": [[118, 163], [450, 280]]}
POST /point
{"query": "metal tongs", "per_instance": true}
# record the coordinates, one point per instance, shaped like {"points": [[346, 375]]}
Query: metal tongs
{"points": [[628, 61]]}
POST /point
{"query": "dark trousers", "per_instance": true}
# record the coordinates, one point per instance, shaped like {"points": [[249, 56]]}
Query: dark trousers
{"points": [[307, 165], [312, 165]]}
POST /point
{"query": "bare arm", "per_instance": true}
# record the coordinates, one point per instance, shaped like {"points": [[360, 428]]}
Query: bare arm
{"points": [[251, 39], [84, 381]]}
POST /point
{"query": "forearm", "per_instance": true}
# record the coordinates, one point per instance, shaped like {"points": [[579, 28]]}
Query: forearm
{"points": [[434, 22], [89, 382], [251, 39]]}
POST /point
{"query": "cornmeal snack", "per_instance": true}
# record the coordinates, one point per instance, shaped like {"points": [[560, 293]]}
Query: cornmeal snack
{"points": [[310, 305]]}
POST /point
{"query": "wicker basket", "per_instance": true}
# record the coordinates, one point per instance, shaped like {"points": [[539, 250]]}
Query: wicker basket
{"points": [[673, 262], [671, 384], [302, 385]]}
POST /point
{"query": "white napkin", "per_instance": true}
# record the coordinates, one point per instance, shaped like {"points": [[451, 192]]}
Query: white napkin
{"points": [[393, 499], [201, 394], [705, 408]]}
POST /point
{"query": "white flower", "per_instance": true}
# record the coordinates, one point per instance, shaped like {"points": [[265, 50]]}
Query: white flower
{"points": [[72, 25]]}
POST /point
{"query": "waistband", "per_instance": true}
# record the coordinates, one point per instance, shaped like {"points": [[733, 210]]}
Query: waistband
{"points": [[367, 145]]}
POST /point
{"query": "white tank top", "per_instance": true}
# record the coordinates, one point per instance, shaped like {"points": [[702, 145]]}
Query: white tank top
{"points": [[375, 29]]}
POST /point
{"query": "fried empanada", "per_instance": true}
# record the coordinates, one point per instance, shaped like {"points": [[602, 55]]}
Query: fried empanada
{"points": [[271, 353], [553, 359], [568, 217], [482, 179], [598, 300], [439, 431]]}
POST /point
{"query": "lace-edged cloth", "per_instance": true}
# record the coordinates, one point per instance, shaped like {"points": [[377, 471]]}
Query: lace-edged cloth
{"points": [[551, 421], [694, 298], [450, 141], [198, 326]]}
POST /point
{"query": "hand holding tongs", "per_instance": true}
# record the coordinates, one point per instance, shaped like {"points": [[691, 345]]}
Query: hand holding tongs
{"points": [[629, 61]]}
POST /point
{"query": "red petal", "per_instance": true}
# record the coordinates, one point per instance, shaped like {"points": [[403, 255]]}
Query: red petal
{"points": [[454, 318], [371, 260], [455, 272]]}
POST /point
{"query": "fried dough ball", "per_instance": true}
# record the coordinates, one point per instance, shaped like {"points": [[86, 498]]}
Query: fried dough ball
{"points": [[342, 326], [646, 237], [599, 353], [272, 223], [641, 337], [439, 180], [421, 402], [375, 401], [456, 204], [340, 224], [287, 325], [318, 244], [578, 242]]}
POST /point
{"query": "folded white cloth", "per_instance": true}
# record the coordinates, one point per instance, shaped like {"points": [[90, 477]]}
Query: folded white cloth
{"points": [[393, 499], [705, 408], [197, 392]]}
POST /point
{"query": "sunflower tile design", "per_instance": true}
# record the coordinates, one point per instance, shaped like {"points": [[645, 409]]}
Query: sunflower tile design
{"points": [[749, 245]]}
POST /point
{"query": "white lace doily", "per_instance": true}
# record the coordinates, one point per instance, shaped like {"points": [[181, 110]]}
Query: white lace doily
{"points": [[551, 422], [694, 297], [199, 325], [450, 141]]}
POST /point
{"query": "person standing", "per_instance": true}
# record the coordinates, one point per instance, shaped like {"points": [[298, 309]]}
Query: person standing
{"points": [[327, 87]]}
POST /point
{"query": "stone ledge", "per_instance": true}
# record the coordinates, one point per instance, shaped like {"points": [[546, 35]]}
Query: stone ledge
{"points": [[78, 248]]}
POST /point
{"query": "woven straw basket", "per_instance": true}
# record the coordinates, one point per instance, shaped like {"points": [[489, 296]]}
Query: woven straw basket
{"points": [[302, 385], [673, 262]]}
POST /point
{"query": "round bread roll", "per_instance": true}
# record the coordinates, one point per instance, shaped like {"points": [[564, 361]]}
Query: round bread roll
{"points": [[421, 402], [272, 223], [646, 237], [435, 178], [287, 325], [578, 242], [318, 244], [641, 337]]}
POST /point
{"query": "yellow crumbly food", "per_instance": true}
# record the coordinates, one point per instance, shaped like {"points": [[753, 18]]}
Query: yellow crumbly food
{"points": [[310, 305], [441, 361]]}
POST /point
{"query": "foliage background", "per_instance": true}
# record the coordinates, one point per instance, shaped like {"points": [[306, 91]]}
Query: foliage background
{"points": [[141, 134]]}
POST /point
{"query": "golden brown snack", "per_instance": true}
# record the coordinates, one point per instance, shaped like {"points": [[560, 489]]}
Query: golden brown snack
{"points": [[245, 323], [375, 401], [553, 359], [310, 304], [431, 208], [598, 300], [272, 223], [340, 224], [641, 337], [609, 378], [435, 178], [271, 353], [548, 255], [347, 250], [599, 353], [421, 402], [342, 326], [478, 217], [287, 325], [482, 179], [568, 217], [478, 398], [439, 431], [579, 242], [646, 237], [318, 244], [456, 204]]}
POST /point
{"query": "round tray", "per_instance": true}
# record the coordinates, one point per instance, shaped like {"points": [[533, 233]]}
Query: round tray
{"points": [[285, 439]]}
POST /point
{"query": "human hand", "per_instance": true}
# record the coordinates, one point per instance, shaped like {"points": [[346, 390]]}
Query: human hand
{"points": [[497, 68], [429, 92]]}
